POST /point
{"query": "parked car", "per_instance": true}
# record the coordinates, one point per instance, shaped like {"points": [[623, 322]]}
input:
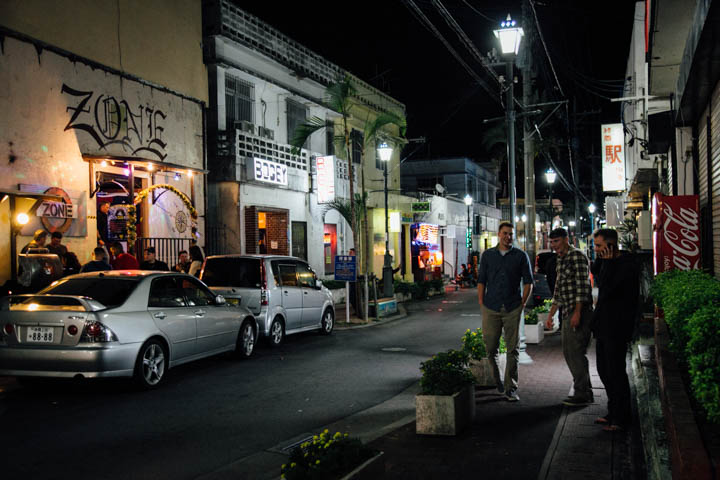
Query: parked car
{"points": [[282, 292], [542, 288], [119, 324]]}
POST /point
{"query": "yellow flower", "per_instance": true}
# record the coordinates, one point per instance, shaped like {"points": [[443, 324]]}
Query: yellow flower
{"points": [[292, 465], [317, 462], [283, 466], [282, 475], [315, 437], [326, 431]]}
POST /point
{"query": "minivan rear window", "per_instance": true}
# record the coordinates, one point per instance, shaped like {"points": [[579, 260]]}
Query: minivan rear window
{"points": [[110, 291], [232, 272]]}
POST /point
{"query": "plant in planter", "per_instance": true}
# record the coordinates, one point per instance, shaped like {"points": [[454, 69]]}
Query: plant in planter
{"points": [[474, 347], [327, 457], [446, 403], [534, 329]]}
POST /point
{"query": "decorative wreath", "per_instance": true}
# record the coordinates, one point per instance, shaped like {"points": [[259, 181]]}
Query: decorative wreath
{"points": [[142, 195]]}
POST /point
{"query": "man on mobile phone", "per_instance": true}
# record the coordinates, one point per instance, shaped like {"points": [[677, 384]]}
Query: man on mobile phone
{"points": [[573, 296], [618, 280]]}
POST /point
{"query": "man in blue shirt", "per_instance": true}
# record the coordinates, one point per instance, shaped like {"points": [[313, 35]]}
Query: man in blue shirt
{"points": [[502, 270]]}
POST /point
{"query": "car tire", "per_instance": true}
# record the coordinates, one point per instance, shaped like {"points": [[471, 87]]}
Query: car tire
{"points": [[277, 333], [151, 364], [327, 323], [247, 337]]}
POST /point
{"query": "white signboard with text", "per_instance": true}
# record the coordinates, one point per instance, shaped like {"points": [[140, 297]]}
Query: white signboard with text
{"points": [[270, 172], [613, 157], [326, 178]]}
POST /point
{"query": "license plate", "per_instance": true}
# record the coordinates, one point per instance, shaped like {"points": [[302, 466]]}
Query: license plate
{"points": [[40, 334]]}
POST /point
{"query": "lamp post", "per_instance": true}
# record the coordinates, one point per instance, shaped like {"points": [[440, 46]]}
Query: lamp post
{"points": [[385, 152], [550, 176], [510, 35], [591, 209], [468, 237]]}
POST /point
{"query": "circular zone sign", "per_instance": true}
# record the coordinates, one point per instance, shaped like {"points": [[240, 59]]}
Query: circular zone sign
{"points": [[57, 216]]}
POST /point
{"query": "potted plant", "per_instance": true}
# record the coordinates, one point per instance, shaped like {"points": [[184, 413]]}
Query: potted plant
{"points": [[446, 403], [330, 457], [474, 348], [534, 328]]}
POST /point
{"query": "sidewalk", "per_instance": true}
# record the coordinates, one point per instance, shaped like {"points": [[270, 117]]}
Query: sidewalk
{"points": [[534, 438], [342, 323]]}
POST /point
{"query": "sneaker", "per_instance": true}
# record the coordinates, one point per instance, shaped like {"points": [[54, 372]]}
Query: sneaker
{"points": [[576, 402], [512, 396]]}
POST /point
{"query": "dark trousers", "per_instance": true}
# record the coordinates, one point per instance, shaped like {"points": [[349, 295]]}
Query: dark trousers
{"points": [[610, 356]]}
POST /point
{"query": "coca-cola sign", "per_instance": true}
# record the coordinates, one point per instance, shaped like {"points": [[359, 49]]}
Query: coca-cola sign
{"points": [[676, 236]]}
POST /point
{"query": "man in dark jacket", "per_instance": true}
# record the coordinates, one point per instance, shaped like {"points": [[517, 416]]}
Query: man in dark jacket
{"points": [[98, 263], [618, 280], [152, 263]]}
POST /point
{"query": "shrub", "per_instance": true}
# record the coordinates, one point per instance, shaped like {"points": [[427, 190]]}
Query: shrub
{"points": [[532, 317], [473, 345], [402, 287], [437, 284], [325, 457], [445, 374], [690, 302]]}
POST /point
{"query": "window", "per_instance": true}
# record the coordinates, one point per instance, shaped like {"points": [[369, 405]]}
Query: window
{"points": [[296, 116], [232, 272], [111, 292], [165, 293], [196, 294], [330, 141], [356, 142], [306, 276], [288, 275], [239, 101]]}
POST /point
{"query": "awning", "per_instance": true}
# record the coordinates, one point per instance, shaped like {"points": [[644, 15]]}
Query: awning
{"points": [[144, 162]]}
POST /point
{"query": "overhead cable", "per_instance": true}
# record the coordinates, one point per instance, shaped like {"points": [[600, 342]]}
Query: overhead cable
{"points": [[542, 39], [410, 4]]}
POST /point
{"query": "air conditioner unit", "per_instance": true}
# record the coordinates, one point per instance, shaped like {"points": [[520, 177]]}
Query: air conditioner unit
{"points": [[266, 132], [245, 126]]}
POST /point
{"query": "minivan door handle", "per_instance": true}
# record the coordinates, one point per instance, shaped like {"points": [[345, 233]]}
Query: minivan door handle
{"points": [[200, 313], [160, 315]]}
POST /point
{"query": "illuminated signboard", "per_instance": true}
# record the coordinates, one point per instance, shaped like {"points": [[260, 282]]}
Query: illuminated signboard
{"points": [[613, 157], [270, 172], [420, 207], [427, 233], [325, 178]]}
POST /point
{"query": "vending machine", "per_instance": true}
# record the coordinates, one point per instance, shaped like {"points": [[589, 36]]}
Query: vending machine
{"points": [[676, 232]]}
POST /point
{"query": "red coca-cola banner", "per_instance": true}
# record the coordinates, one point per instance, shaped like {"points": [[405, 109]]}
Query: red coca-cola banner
{"points": [[676, 232]]}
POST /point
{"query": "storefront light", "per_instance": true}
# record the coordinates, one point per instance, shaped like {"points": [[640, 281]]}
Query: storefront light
{"points": [[22, 218], [150, 167], [523, 218], [190, 173], [126, 172], [103, 163], [177, 176]]}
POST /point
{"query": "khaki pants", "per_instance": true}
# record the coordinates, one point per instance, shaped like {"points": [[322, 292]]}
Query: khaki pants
{"points": [[575, 343], [493, 324]]}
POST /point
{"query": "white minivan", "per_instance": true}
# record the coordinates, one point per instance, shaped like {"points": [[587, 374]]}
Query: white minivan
{"points": [[282, 292]]}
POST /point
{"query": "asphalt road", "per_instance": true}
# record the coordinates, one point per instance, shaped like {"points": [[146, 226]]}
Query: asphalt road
{"points": [[220, 410]]}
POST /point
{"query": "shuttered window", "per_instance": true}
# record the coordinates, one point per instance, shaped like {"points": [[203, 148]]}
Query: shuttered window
{"points": [[714, 177], [239, 101]]}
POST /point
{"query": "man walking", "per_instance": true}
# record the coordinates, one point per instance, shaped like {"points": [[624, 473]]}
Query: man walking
{"points": [[502, 270], [573, 296], [618, 280]]}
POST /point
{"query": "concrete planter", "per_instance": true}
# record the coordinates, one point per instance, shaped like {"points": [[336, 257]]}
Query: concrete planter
{"points": [[444, 414], [338, 295], [535, 333], [482, 371], [371, 469]]}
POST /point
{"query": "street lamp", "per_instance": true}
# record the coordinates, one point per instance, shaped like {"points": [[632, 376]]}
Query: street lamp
{"points": [[468, 239], [385, 153], [510, 36], [591, 209]]}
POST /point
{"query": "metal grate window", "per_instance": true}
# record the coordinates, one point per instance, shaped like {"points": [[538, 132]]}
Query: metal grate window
{"points": [[239, 101], [296, 116], [356, 142]]}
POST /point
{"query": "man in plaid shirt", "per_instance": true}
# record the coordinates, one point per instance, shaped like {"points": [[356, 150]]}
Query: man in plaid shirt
{"points": [[573, 296]]}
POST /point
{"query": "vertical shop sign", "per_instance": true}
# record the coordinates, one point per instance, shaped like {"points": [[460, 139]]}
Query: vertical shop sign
{"points": [[326, 178], [613, 155]]}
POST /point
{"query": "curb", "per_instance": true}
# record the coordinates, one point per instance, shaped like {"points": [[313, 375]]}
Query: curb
{"points": [[372, 322]]}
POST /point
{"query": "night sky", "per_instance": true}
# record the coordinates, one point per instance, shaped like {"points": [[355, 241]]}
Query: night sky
{"points": [[386, 45]]}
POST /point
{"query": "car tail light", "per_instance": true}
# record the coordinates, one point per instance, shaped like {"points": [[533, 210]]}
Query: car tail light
{"points": [[263, 285], [8, 328], [96, 332], [72, 330]]}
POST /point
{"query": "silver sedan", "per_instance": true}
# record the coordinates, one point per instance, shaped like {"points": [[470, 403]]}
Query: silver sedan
{"points": [[119, 324]]}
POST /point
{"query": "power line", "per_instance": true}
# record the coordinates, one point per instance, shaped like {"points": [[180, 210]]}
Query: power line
{"points": [[542, 39], [410, 4], [479, 12]]}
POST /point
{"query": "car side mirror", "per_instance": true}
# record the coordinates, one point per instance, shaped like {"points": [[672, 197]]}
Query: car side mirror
{"points": [[220, 300], [318, 284]]}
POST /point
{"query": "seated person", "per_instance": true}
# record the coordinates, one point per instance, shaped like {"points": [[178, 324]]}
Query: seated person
{"points": [[98, 263]]}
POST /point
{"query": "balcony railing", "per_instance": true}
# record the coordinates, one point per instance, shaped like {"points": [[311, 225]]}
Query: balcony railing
{"points": [[166, 249]]}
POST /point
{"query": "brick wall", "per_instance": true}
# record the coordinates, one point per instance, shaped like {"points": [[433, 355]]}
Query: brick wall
{"points": [[251, 230], [277, 231]]}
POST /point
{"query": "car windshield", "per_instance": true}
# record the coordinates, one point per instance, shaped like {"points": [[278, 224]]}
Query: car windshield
{"points": [[110, 291], [232, 272]]}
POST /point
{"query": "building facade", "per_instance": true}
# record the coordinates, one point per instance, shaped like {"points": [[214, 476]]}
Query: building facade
{"points": [[263, 196], [91, 117]]}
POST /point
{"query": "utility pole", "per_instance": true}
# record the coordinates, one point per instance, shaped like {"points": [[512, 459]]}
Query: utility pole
{"points": [[528, 138]]}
